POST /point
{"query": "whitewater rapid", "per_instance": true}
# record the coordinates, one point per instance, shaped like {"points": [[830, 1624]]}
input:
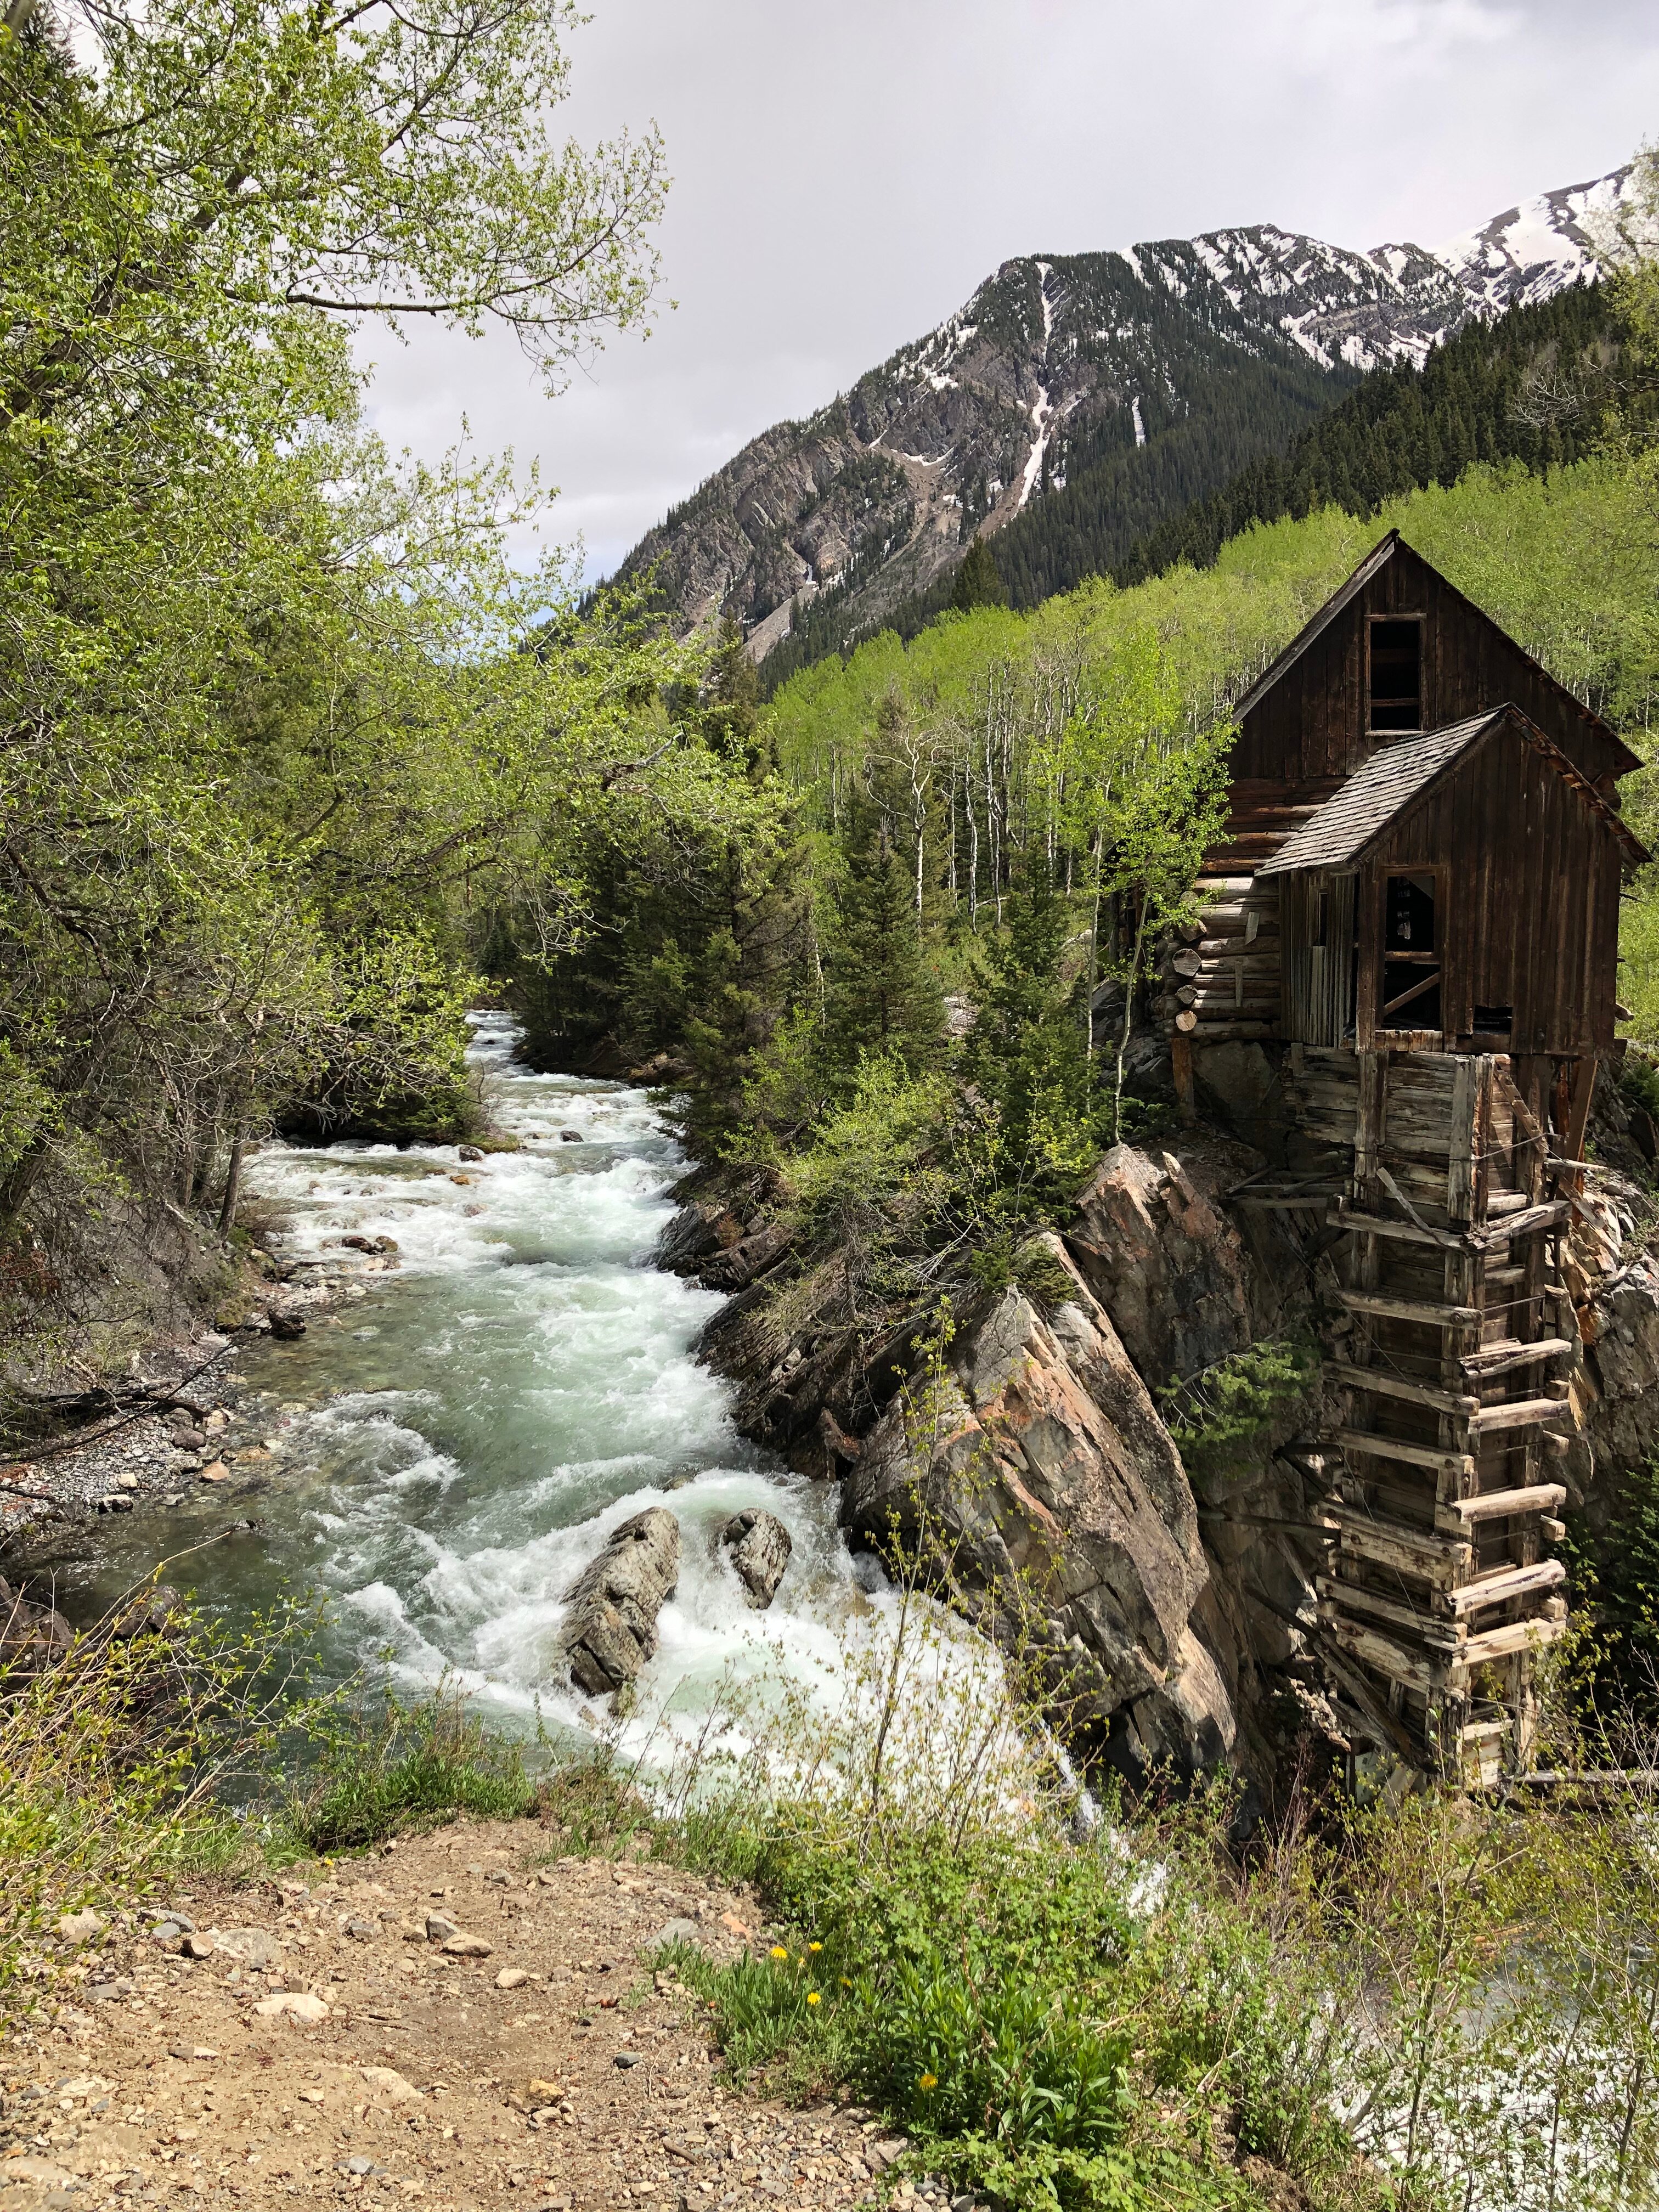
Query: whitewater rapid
{"points": [[443, 1453]]}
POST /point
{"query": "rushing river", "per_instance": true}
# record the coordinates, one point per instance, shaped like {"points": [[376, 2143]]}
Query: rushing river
{"points": [[449, 1450]]}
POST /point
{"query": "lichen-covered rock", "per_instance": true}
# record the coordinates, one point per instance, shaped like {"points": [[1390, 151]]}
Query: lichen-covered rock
{"points": [[760, 1547], [610, 1630], [1036, 1460]]}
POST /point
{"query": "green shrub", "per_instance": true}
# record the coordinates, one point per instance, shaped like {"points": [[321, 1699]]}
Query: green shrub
{"points": [[406, 1766]]}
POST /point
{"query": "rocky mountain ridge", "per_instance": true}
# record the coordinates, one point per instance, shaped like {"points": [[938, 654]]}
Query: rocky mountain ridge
{"points": [[1161, 369]]}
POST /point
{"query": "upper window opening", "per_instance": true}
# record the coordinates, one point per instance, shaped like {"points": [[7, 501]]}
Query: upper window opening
{"points": [[1396, 702]]}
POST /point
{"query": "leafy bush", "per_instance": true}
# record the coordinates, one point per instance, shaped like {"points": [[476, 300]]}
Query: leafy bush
{"points": [[1227, 1407]]}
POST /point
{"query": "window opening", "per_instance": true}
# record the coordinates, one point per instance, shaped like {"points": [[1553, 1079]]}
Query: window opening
{"points": [[1411, 954], [1396, 674]]}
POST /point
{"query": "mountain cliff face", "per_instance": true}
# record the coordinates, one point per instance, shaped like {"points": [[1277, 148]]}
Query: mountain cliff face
{"points": [[1128, 382]]}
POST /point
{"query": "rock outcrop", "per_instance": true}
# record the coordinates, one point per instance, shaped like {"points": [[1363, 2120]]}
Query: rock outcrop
{"points": [[1035, 1461], [760, 1547], [1173, 1601], [610, 1630]]}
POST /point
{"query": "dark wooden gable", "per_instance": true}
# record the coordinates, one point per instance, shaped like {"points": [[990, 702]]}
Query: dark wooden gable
{"points": [[1304, 725]]}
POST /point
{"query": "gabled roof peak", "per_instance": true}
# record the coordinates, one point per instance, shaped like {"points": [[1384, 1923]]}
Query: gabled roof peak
{"points": [[1380, 554]]}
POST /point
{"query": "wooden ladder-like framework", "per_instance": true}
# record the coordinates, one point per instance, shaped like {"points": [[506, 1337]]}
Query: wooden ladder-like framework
{"points": [[1445, 1379]]}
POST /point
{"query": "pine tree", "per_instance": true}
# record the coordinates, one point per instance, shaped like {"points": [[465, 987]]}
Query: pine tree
{"points": [[882, 991], [979, 580], [731, 714]]}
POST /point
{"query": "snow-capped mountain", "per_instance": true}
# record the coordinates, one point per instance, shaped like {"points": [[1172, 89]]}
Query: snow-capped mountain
{"points": [[1159, 370]]}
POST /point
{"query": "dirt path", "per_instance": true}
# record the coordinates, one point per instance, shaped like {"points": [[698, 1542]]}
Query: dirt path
{"points": [[582, 2084]]}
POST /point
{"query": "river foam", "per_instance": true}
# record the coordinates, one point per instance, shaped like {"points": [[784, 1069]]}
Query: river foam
{"points": [[451, 1448]]}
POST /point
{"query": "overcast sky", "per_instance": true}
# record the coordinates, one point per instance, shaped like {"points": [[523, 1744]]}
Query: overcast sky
{"points": [[845, 171]]}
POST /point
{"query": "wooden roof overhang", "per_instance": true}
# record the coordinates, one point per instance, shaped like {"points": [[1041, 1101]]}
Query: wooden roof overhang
{"points": [[1400, 776], [1380, 555]]}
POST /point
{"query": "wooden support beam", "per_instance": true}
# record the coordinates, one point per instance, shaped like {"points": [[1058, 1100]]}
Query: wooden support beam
{"points": [[1495, 1359], [1514, 1636], [1386, 1657], [1501, 1504], [1519, 1413], [1548, 1216], [1432, 1456], [1434, 1633], [1429, 1553], [1399, 1386], [1499, 1588], [1389, 1308], [1404, 1232]]}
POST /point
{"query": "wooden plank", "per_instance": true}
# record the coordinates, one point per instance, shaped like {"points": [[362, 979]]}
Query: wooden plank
{"points": [[1431, 1554], [1406, 1232], [1514, 1636], [1519, 1413], [1501, 1504], [1432, 1456], [1499, 1588], [1386, 1657], [1434, 1632], [1398, 1386], [1548, 1216], [1417, 1310], [1495, 1359]]}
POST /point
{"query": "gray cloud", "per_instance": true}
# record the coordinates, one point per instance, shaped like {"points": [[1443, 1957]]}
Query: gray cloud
{"points": [[846, 172]]}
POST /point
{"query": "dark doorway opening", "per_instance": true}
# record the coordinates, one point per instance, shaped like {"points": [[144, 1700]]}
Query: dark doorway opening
{"points": [[1411, 954]]}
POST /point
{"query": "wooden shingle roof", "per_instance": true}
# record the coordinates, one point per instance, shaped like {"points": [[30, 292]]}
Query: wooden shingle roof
{"points": [[1396, 777]]}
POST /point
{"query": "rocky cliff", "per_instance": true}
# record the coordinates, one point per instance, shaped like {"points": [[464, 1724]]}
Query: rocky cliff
{"points": [[1168, 1600]]}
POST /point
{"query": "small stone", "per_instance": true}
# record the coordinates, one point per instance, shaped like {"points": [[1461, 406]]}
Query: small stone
{"points": [[81, 1927], [198, 1947], [677, 1931], [570, 1136], [511, 1977], [126, 1479], [467, 1946], [215, 1471], [501, 1877], [365, 1931], [626, 2059], [293, 2004], [439, 1927], [468, 1152], [391, 2083]]}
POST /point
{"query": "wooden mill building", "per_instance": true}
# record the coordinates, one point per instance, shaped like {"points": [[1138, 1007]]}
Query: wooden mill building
{"points": [[1416, 913]]}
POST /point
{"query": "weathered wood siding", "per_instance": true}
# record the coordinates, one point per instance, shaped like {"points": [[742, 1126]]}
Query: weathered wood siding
{"points": [[1310, 728], [1529, 900]]}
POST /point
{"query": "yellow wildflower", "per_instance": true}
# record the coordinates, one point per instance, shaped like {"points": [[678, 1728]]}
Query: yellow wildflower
{"points": [[811, 1997], [930, 2080], [779, 1952], [815, 1947]]}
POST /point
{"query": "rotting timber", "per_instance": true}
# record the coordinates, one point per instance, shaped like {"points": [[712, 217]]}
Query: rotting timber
{"points": [[1412, 924]]}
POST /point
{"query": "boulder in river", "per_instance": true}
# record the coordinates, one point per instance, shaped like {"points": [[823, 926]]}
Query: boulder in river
{"points": [[30, 1636], [611, 1630], [760, 1547]]}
